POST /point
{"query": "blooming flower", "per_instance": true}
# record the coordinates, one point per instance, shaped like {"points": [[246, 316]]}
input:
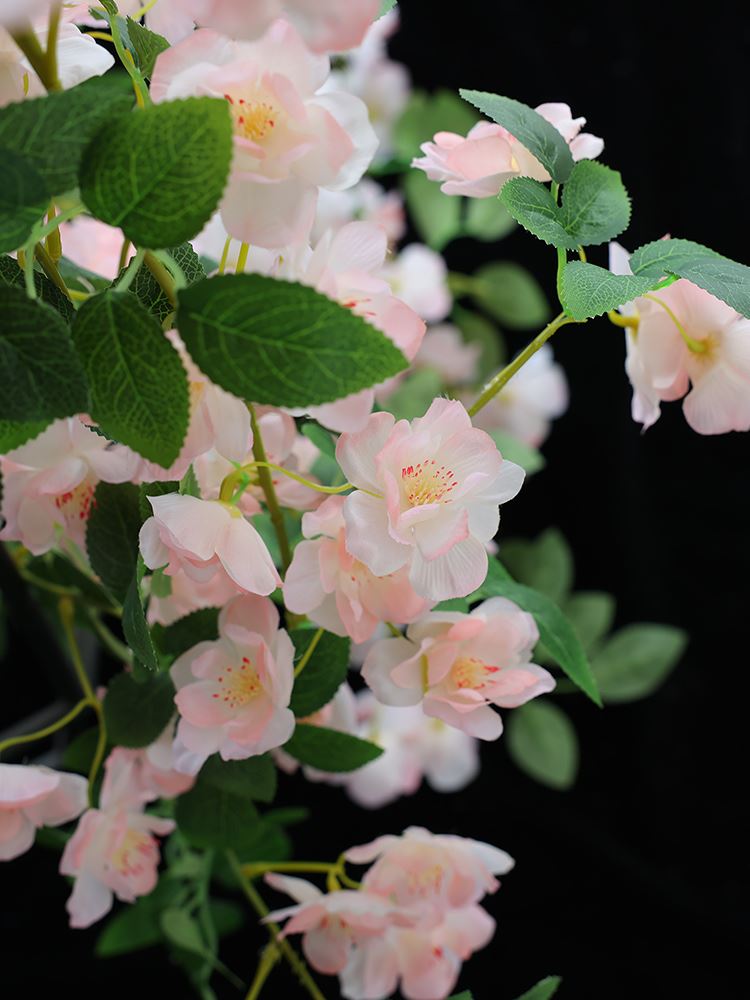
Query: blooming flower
{"points": [[446, 352], [289, 139], [233, 694], [365, 202], [457, 665], [31, 797], [337, 591], [419, 277], [135, 777], [427, 496]]}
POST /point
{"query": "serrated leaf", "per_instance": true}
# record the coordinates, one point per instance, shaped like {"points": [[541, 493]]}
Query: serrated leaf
{"points": [[213, 817], [146, 45], [329, 750], [544, 990], [592, 613], [12, 274], [530, 459], [437, 217], [543, 743], [722, 277], [24, 197], [186, 632], [512, 295], [53, 131], [531, 204], [137, 714], [588, 290], [41, 375], [281, 343], [254, 778], [160, 173], [324, 672], [150, 293], [135, 627], [595, 205], [637, 660], [532, 131], [112, 536], [139, 386]]}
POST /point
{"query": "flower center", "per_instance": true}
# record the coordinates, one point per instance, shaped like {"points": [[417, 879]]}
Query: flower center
{"points": [[252, 119], [238, 686], [134, 853], [469, 672], [75, 505], [427, 881], [427, 482]]}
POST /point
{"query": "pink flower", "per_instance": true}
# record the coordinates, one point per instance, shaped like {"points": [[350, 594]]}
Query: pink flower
{"points": [[204, 538], [337, 591], [333, 924], [419, 277], [49, 483], [135, 777], [289, 139], [445, 351], [233, 694], [31, 797], [365, 202], [427, 497], [457, 665], [189, 595]]}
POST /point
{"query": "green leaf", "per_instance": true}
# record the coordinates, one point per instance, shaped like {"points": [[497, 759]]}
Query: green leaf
{"points": [[139, 386], [412, 397], [12, 274], [512, 295], [24, 197], [189, 485], [137, 926], [637, 660], [182, 930], [254, 778], [478, 330], [53, 131], [528, 458], [722, 277], [437, 217], [14, 433], [595, 205], [79, 754], [425, 115], [588, 290], [592, 613], [330, 750], [546, 564], [146, 45], [56, 569], [324, 673], [137, 714], [543, 743], [487, 219], [198, 626], [112, 536], [555, 631], [532, 205], [544, 990], [148, 290], [41, 376], [532, 131], [281, 343], [160, 173], [385, 6], [210, 816], [135, 627], [321, 438], [155, 489]]}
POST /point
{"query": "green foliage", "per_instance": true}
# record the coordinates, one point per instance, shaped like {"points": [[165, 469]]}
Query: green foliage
{"points": [[511, 295], [425, 115], [112, 536], [56, 569], [412, 397], [159, 174], [546, 564], [41, 374], [478, 330], [636, 660], [137, 926], [592, 613], [135, 626], [139, 386], [146, 45], [281, 343], [24, 197], [436, 216], [186, 632], [323, 674], [588, 290], [219, 812], [722, 277], [543, 743], [254, 778], [534, 132], [146, 288], [155, 489], [321, 438], [12, 274], [137, 714], [487, 219], [14, 433], [531, 204], [330, 750], [544, 990]]}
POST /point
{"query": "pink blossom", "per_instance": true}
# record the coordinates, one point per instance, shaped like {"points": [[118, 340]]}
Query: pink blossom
{"points": [[289, 139], [203, 538], [31, 797], [457, 665], [365, 202], [187, 595], [338, 592], [427, 497], [93, 245], [233, 694], [419, 277], [49, 483], [135, 777], [445, 351]]}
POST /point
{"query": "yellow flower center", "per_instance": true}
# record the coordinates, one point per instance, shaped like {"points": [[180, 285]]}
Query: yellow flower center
{"points": [[75, 505], [427, 482], [238, 686], [253, 120], [469, 672], [133, 853]]}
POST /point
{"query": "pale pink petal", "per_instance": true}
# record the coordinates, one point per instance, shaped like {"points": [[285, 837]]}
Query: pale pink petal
{"points": [[384, 656], [456, 574], [246, 559]]}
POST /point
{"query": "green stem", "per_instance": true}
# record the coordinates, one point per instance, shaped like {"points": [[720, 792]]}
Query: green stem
{"points": [[54, 727], [53, 32], [256, 868], [29, 44], [268, 960], [308, 652], [50, 268], [496, 384], [234, 480], [162, 275], [110, 642], [142, 96], [625, 322], [266, 484], [130, 274]]}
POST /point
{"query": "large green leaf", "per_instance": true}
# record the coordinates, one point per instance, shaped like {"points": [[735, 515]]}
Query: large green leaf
{"points": [[139, 386], [531, 204], [323, 674], [330, 750], [588, 290], [160, 173], [41, 376], [12, 274], [137, 714], [543, 743], [183, 634], [254, 778], [544, 990], [722, 277], [637, 660], [534, 132], [211, 816], [512, 295], [24, 197], [112, 536], [281, 343]]}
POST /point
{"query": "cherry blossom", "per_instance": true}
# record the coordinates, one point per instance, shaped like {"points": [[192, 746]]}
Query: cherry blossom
{"points": [[233, 694], [187, 595], [365, 202], [289, 138], [135, 777], [419, 277], [31, 797], [427, 497], [445, 351]]}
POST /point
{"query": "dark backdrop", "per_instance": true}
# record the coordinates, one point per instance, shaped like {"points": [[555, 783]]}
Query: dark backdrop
{"points": [[632, 884]]}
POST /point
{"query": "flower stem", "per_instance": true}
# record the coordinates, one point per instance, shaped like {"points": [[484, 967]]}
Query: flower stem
{"points": [[53, 32], [308, 652], [696, 346], [50, 268], [142, 96], [266, 483], [54, 727], [617, 319], [163, 277], [256, 868], [130, 273], [268, 960], [503, 377]]}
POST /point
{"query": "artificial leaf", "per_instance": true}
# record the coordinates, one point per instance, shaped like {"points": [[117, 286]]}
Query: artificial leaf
{"points": [[24, 197], [146, 45], [512, 295], [112, 535], [210, 816], [546, 564], [425, 115], [477, 329], [412, 397], [14, 433], [137, 926], [137, 714], [12, 274], [135, 627], [324, 672], [510, 447], [544, 990], [186, 632], [637, 660], [155, 489], [254, 778], [148, 290], [588, 290], [531, 204], [595, 205], [321, 438], [487, 219], [437, 217], [592, 613], [330, 750], [543, 743]]}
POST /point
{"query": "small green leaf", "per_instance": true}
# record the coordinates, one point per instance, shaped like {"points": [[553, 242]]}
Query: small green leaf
{"points": [[595, 205], [150, 293], [546, 564], [139, 386], [722, 277], [146, 45], [24, 197], [532, 205], [532, 131], [160, 173], [41, 376], [324, 672], [112, 536], [588, 290], [487, 219], [181, 929], [209, 816], [281, 343], [137, 714], [135, 627], [528, 458], [544, 990], [198, 626], [321, 438], [12, 274], [437, 217], [592, 613], [543, 743], [189, 485], [512, 295], [254, 778], [637, 660], [330, 750]]}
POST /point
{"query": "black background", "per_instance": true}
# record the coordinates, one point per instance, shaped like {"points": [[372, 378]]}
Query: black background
{"points": [[634, 883]]}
